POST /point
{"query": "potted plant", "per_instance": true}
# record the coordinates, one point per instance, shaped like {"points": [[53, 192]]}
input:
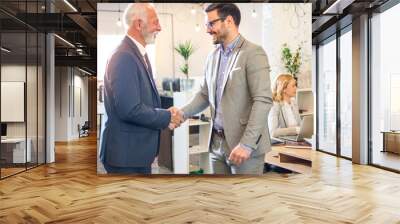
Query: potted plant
{"points": [[185, 50], [291, 61]]}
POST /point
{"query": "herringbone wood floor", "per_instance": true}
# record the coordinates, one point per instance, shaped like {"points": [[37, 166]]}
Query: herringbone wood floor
{"points": [[70, 191]]}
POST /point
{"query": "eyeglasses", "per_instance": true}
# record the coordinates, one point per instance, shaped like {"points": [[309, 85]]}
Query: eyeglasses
{"points": [[210, 24]]}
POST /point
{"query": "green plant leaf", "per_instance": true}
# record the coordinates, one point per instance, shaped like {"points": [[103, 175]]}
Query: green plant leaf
{"points": [[185, 49], [185, 69], [292, 62]]}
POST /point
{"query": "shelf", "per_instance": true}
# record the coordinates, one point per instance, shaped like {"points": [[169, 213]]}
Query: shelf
{"points": [[273, 158], [197, 122], [294, 159], [196, 149], [304, 90], [300, 153]]}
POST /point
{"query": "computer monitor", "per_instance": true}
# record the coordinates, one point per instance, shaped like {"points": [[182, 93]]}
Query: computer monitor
{"points": [[3, 129], [306, 130], [167, 83], [307, 126]]}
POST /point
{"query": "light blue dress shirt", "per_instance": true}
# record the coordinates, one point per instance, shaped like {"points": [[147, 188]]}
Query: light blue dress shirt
{"points": [[225, 55], [222, 71]]}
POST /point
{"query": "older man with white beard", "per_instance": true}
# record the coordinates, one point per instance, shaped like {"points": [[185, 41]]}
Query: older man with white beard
{"points": [[131, 137]]}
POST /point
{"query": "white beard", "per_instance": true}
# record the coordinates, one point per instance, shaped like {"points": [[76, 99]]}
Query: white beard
{"points": [[149, 38]]}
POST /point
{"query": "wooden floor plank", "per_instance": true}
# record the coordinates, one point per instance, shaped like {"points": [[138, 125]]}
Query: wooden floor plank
{"points": [[70, 191]]}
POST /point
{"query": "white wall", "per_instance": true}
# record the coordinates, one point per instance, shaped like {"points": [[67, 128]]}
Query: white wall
{"points": [[17, 73], [178, 24], [69, 82], [184, 28], [274, 25], [33, 127], [291, 24]]}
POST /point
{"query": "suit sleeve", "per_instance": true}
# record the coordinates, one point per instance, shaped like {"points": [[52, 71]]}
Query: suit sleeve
{"points": [[273, 123], [200, 101], [258, 81], [125, 90]]}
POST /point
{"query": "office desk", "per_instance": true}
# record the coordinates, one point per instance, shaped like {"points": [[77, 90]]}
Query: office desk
{"points": [[13, 150], [298, 160]]}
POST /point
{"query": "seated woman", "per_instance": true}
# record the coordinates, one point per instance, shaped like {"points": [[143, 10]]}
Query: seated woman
{"points": [[284, 118]]}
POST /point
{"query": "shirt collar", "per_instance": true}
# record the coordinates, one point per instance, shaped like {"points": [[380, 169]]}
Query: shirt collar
{"points": [[230, 46], [141, 48]]}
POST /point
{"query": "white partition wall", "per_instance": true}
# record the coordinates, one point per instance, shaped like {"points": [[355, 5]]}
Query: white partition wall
{"points": [[12, 99]]}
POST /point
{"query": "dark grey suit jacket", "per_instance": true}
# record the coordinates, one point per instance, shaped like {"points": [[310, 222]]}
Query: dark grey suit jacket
{"points": [[132, 130]]}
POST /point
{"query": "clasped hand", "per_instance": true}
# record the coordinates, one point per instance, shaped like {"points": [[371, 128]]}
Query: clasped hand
{"points": [[176, 118]]}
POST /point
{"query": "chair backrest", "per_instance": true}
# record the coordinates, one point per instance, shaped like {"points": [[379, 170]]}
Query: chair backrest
{"points": [[86, 125]]}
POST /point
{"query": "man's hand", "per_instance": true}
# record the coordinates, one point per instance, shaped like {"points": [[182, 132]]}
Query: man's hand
{"points": [[176, 118], [239, 155]]}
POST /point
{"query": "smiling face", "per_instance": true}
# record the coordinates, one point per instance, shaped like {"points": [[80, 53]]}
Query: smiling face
{"points": [[216, 27], [151, 27]]}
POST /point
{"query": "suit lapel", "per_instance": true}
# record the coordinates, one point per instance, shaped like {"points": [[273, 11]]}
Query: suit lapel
{"points": [[149, 74], [214, 70], [232, 61]]}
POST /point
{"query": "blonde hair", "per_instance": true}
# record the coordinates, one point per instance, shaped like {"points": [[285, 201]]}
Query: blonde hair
{"points": [[281, 84]]}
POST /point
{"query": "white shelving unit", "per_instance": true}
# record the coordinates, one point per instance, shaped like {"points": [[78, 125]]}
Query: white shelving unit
{"points": [[202, 148], [180, 142]]}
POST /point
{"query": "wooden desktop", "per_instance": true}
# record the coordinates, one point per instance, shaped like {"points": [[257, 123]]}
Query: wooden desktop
{"points": [[298, 159]]}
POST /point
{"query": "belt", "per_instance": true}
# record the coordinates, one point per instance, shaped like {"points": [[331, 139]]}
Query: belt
{"points": [[219, 133]]}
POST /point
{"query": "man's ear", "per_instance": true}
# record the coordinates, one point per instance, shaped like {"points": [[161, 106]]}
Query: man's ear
{"points": [[137, 24], [230, 20]]}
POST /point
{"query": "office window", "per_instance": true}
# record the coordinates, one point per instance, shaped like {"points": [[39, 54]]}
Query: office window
{"points": [[327, 96], [385, 88], [346, 93]]}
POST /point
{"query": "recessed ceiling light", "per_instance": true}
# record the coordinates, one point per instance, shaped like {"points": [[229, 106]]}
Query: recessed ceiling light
{"points": [[70, 5], [84, 71], [64, 40], [5, 50]]}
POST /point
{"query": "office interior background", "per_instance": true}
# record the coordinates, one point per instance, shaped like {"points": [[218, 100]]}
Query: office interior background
{"points": [[278, 24], [49, 86]]}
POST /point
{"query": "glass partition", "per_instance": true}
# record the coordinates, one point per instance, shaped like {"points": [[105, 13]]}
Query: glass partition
{"points": [[385, 89], [346, 93], [22, 88], [327, 96]]}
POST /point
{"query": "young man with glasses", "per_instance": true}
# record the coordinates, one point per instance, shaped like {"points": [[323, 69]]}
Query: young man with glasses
{"points": [[237, 89]]}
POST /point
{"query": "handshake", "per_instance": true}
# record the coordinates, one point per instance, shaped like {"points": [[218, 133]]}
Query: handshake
{"points": [[177, 118]]}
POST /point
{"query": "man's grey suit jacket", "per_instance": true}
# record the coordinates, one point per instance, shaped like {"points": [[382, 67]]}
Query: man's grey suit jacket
{"points": [[246, 97], [132, 130]]}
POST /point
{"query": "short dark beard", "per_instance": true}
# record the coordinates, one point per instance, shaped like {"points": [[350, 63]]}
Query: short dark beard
{"points": [[221, 38]]}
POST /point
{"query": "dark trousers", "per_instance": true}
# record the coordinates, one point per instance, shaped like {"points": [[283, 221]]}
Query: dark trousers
{"points": [[127, 170]]}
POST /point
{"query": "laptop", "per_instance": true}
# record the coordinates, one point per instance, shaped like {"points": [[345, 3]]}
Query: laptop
{"points": [[306, 130]]}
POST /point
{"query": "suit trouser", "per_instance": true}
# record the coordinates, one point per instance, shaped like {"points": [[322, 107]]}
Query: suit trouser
{"points": [[220, 164]]}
